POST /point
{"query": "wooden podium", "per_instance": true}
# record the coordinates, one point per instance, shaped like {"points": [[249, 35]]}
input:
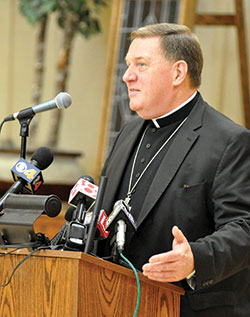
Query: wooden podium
{"points": [[63, 283]]}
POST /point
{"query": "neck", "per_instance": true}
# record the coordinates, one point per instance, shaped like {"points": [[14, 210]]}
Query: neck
{"points": [[181, 95], [178, 98]]}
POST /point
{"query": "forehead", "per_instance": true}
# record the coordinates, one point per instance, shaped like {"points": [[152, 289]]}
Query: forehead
{"points": [[147, 47]]}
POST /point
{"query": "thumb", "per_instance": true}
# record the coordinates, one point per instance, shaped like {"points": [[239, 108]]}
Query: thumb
{"points": [[178, 235]]}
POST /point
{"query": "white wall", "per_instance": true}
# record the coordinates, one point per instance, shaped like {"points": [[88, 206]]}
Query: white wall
{"points": [[221, 85]]}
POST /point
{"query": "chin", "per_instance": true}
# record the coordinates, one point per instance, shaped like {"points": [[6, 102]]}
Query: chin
{"points": [[143, 115], [136, 108], [133, 107]]}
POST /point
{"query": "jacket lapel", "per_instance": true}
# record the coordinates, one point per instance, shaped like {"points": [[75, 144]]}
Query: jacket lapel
{"points": [[177, 152], [119, 160]]}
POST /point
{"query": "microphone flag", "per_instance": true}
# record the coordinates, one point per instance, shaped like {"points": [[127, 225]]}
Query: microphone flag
{"points": [[30, 175], [82, 188]]}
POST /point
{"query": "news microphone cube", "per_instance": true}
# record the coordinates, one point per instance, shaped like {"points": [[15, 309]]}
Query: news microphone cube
{"points": [[120, 212], [30, 175], [82, 188]]}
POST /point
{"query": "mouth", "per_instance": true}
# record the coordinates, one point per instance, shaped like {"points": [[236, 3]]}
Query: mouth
{"points": [[133, 91]]}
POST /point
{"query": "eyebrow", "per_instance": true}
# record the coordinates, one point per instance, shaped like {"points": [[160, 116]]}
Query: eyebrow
{"points": [[136, 58]]}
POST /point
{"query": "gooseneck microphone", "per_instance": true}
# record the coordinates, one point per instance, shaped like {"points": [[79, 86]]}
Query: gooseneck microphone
{"points": [[28, 174], [62, 101]]}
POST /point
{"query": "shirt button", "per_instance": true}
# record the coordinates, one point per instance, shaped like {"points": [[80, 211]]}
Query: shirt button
{"points": [[148, 146], [137, 175], [143, 160]]}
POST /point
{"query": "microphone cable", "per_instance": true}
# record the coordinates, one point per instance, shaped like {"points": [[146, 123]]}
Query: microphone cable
{"points": [[41, 244], [137, 280], [21, 262], [1, 125]]}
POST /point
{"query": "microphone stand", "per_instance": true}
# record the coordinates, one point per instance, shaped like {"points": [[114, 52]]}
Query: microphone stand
{"points": [[95, 215], [24, 133], [81, 212]]}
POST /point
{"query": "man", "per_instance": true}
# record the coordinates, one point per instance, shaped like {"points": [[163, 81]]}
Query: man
{"points": [[184, 169]]}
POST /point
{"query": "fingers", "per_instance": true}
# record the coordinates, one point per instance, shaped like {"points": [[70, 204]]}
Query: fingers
{"points": [[161, 272], [178, 235], [159, 267], [169, 271], [173, 255], [163, 257], [174, 265], [163, 277]]}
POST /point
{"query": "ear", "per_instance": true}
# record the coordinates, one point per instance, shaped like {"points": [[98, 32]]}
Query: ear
{"points": [[180, 69]]}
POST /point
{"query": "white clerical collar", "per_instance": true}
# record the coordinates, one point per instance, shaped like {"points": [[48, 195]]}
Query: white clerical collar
{"points": [[174, 110]]}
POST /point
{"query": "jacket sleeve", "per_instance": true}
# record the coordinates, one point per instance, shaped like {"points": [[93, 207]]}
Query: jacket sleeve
{"points": [[227, 251]]}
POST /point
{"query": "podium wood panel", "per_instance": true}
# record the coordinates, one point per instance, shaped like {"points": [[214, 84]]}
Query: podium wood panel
{"points": [[63, 283]]}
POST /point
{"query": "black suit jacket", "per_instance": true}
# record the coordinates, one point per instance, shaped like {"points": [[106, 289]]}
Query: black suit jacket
{"points": [[203, 186]]}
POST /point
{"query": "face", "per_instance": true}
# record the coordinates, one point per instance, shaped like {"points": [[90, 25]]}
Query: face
{"points": [[149, 78]]}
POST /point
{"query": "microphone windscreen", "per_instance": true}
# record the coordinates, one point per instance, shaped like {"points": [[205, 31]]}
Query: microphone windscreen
{"points": [[43, 157], [88, 178], [53, 206], [69, 213], [63, 100]]}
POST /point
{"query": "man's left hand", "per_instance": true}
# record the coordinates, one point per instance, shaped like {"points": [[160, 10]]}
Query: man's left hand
{"points": [[174, 265]]}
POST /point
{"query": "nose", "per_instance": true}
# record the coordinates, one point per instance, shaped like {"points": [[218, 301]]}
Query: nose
{"points": [[129, 75]]}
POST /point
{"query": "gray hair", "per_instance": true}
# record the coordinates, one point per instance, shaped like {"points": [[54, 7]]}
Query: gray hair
{"points": [[179, 43]]}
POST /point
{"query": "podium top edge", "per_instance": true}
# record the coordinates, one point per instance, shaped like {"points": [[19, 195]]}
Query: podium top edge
{"points": [[80, 256]]}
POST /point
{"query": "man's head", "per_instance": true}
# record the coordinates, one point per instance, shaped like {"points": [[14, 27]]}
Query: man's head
{"points": [[164, 65], [178, 44]]}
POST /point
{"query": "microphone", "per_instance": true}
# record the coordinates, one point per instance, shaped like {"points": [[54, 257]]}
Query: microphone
{"points": [[71, 231], [78, 233], [28, 175], [70, 213], [84, 189], [50, 205], [60, 238], [62, 101], [120, 220], [81, 197], [101, 233], [42, 157]]}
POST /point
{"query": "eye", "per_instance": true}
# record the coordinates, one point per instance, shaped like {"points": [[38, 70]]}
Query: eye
{"points": [[142, 66]]}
